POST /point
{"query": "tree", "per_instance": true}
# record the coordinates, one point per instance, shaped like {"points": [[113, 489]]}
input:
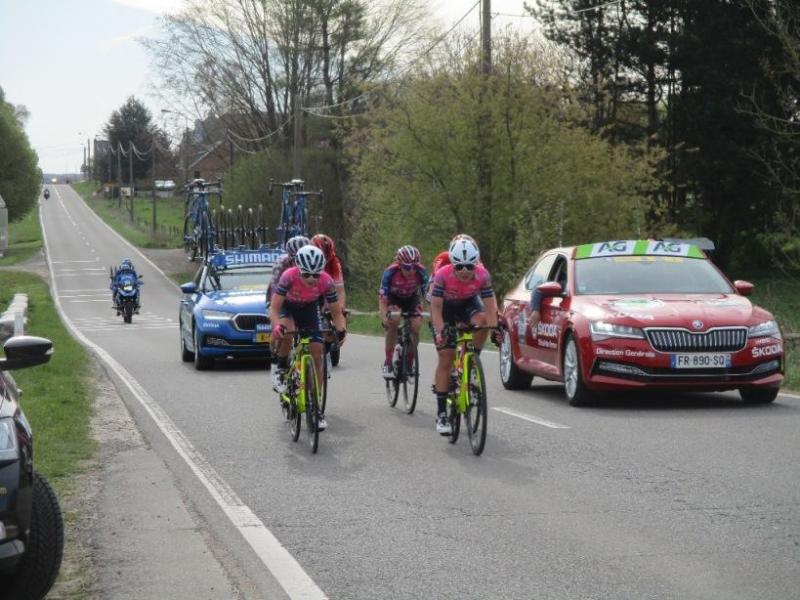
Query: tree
{"points": [[416, 181], [20, 177], [132, 122]]}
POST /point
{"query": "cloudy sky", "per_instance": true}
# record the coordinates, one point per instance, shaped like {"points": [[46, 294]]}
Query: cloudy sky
{"points": [[71, 63]]}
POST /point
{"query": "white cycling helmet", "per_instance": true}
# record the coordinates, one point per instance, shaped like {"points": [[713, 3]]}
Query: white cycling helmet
{"points": [[464, 252], [310, 259], [294, 244]]}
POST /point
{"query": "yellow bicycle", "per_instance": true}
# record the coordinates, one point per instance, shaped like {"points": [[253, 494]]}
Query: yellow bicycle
{"points": [[467, 394], [303, 393]]}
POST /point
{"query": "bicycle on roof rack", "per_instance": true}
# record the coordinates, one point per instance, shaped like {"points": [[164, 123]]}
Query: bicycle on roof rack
{"points": [[199, 229], [295, 216]]}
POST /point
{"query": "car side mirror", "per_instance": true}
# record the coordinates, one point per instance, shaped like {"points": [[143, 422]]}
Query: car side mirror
{"points": [[550, 289], [745, 288], [189, 288], [24, 351]]}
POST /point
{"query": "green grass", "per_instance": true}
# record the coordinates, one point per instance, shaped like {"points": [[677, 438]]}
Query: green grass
{"points": [[139, 232], [24, 239], [780, 295], [56, 397]]}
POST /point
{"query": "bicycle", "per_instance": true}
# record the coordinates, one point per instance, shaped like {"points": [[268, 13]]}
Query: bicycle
{"points": [[303, 390], [199, 229], [467, 393], [405, 364], [294, 209], [332, 354]]}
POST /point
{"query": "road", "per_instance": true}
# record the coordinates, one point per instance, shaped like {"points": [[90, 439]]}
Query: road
{"points": [[692, 496]]}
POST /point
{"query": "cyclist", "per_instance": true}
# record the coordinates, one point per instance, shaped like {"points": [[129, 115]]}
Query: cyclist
{"points": [[125, 268], [333, 266], [292, 246], [401, 289], [295, 305], [443, 258], [462, 293]]}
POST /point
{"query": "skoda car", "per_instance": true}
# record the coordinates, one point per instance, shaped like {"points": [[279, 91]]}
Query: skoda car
{"points": [[223, 311], [626, 315]]}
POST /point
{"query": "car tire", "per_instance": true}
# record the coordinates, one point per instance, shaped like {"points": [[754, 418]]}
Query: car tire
{"points": [[201, 363], [511, 376], [758, 395], [574, 386], [186, 356], [36, 572]]}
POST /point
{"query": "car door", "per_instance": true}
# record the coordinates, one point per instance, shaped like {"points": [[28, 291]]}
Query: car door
{"points": [[553, 317], [537, 275]]}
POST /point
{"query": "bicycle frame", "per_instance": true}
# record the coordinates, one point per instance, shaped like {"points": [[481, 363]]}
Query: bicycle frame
{"points": [[463, 349], [301, 357]]}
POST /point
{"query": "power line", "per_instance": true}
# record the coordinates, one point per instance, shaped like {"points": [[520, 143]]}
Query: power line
{"points": [[260, 139]]}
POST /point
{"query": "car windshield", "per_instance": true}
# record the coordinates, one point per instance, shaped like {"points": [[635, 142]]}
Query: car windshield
{"points": [[648, 275], [238, 279]]}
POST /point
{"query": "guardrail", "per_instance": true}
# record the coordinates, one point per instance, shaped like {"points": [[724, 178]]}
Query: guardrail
{"points": [[13, 320]]}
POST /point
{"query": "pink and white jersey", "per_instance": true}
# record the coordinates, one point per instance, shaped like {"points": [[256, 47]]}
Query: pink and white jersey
{"points": [[446, 285], [292, 286]]}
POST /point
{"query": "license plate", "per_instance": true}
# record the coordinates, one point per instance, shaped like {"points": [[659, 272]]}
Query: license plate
{"points": [[262, 338], [700, 361]]}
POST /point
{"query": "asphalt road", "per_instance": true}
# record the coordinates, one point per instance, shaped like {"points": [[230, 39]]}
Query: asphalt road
{"points": [[653, 496]]}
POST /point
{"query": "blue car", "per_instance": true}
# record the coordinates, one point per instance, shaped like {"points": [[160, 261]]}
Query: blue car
{"points": [[223, 311]]}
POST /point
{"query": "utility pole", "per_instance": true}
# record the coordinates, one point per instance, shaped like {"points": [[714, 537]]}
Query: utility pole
{"points": [[85, 164], [154, 150], [484, 125], [298, 131], [89, 174], [130, 171], [108, 159], [119, 175]]}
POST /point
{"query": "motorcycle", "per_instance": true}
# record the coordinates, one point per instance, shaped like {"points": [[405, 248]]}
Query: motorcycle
{"points": [[46, 194], [126, 296]]}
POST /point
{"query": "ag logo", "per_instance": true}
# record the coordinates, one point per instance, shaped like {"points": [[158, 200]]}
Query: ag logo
{"points": [[697, 324]]}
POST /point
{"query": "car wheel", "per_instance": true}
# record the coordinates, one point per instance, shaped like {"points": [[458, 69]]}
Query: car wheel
{"points": [[512, 377], [758, 395], [186, 356], [36, 572], [201, 363], [574, 387]]}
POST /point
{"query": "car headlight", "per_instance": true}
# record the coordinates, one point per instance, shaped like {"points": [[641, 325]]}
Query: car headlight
{"points": [[8, 440], [765, 329], [602, 330], [216, 314]]}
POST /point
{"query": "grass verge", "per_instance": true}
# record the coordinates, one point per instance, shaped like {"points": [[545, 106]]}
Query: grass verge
{"points": [[24, 239], [139, 232]]}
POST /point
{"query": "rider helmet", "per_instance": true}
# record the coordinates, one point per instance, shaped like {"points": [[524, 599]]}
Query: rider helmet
{"points": [[407, 255], [309, 259], [464, 252], [295, 243], [463, 236], [126, 263], [326, 244]]}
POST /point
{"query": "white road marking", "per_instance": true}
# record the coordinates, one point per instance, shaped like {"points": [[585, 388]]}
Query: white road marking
{"points": [[62, 262], [283, 566], [85, 290], [531, 418], [107, 300], [788, 395], [82, 270]]}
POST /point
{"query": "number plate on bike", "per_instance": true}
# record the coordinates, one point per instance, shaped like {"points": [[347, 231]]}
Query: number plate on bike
{"points": [[703, 360]]}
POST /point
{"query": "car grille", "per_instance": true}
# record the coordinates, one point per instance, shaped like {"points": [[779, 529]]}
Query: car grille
{"points": [[245, 322], [730, 339]]}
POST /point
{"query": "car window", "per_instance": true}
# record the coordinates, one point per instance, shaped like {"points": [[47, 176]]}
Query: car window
{"points": [[242, 279], [540, 272], [559, 272], [648, 274]]}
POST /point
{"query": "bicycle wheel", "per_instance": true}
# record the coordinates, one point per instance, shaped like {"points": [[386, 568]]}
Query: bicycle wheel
{"points": [[312, 406], [325, 375], [205, 236], [262, 226], [189, 237], [408, 360], [294, 416], [475, 417], [454, 417], [392, 389], [239, 238]]}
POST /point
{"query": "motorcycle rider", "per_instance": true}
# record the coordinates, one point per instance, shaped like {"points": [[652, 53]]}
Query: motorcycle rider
{"points": [[125, 268], [46, 193]]}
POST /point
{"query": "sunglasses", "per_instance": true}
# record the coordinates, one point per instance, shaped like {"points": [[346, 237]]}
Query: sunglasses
{"points": [[310, 275], [464, 267], [406, 266]]}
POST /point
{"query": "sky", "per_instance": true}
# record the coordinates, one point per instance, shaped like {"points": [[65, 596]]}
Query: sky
{"points": [[73, 62]]}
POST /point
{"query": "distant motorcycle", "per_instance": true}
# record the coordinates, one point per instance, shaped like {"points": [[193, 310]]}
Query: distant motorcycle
{"points": [[126, 296], [46, 194]]}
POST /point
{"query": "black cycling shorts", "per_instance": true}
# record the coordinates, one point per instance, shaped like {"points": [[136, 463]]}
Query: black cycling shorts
{"points": [[306, 316]]}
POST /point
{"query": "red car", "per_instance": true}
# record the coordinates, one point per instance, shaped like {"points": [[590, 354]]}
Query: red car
{"points": [[627, 315]]}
